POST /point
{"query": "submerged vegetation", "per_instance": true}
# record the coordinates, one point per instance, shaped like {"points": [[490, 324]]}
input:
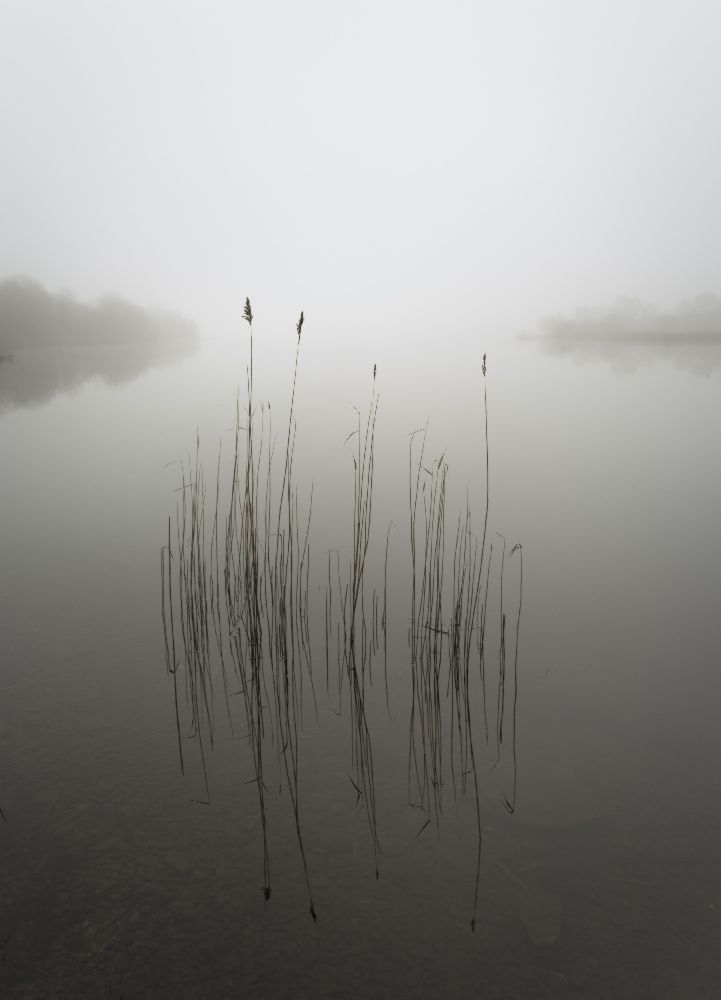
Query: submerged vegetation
{"points": [[236, 612]]}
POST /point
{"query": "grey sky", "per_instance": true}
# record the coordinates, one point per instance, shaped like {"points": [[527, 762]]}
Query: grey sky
{"points": [[389, 167]]}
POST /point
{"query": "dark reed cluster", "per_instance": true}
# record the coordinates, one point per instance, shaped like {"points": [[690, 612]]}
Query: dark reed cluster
{"points": [[238, 592], [450, 704], [359, 641], [236, 613]]}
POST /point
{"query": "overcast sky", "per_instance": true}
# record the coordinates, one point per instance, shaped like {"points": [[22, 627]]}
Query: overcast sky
{"points": [[385, 166]]}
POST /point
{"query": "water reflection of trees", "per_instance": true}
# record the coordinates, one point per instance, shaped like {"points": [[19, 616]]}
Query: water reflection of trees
{"points": [[631, 334], [51, 343]]}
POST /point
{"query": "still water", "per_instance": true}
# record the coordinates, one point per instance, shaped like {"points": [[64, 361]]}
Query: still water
{"points": [[119, 881]]}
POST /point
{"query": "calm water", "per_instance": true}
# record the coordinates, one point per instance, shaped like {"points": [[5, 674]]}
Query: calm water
{"points": [[607, 879]]}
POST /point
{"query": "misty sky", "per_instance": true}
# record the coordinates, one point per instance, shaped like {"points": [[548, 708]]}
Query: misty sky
{"points": [[393, 168]]}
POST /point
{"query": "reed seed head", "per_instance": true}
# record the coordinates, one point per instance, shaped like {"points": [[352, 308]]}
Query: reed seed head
{"points": [[247, 312], [299, 325], [483, 366]]}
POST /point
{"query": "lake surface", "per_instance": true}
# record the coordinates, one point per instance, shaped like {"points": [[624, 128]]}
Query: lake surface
{"points": [[117, 879]]}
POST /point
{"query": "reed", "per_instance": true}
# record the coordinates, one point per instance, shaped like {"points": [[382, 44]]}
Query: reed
{"points": [[435, 635], [236, 610], [245, 604], [354, 616]]}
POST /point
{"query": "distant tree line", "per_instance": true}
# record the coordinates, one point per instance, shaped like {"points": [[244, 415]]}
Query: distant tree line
{"points": [[32, 317], [697, 319], [51, 343]]}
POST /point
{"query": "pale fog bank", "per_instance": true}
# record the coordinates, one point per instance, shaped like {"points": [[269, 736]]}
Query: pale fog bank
{"points": [[632, 333], [51, 343]]}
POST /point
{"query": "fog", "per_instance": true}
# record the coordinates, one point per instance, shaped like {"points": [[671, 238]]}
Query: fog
{"points": [[394, 171], [52, 343], [404, 727]]}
